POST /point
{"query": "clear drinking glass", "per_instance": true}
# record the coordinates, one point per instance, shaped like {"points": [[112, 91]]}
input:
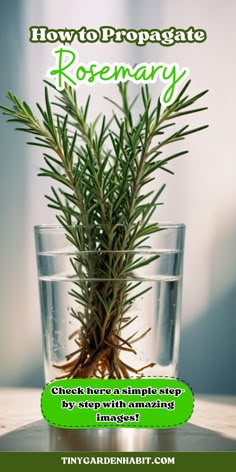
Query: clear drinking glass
{"points": [[157, 311]]}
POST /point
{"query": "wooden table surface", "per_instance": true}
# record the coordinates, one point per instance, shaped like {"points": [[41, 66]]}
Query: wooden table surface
{"points": [[212, 427]]}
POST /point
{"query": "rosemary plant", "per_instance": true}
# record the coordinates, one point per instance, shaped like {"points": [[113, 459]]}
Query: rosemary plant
{"points": [[103, 168]]}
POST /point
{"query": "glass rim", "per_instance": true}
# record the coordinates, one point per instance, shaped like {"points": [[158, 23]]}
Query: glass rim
{"points": [[161, 224]]}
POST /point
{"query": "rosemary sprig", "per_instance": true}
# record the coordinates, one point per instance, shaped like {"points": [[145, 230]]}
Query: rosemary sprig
{"points": [[103, 168]]}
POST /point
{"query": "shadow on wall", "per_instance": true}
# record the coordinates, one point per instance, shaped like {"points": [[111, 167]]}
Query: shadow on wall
{"points": [[33, 377], [208, 347], [13, 198]]}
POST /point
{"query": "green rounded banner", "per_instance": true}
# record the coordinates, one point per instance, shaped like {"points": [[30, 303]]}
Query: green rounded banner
{"points": [[109, 403]]}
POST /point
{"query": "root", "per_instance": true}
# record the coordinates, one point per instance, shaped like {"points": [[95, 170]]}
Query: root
{"points": [[104, 362], [98, 354]]}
